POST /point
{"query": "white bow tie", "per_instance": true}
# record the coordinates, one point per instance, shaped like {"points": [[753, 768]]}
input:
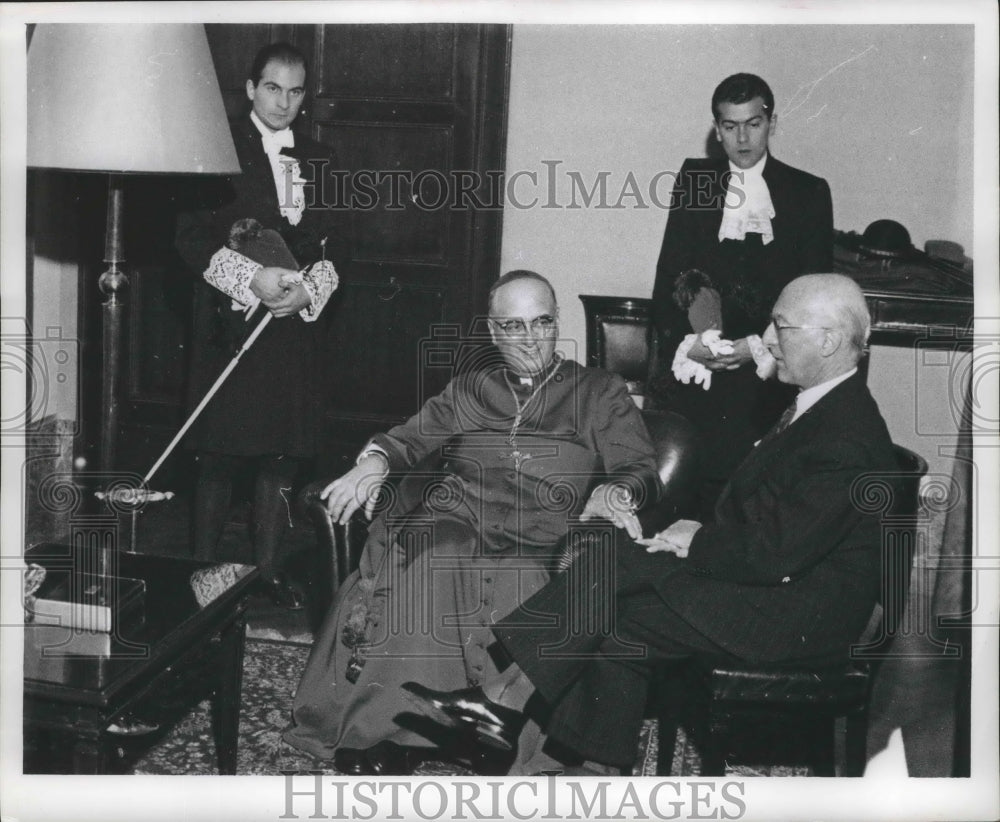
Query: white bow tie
{"points": [[274, 141]]}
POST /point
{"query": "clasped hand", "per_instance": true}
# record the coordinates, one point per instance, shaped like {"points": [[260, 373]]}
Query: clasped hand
{"points": [[281, 290], [357, 487], [700, 353], [613, 503], [675, 540]]}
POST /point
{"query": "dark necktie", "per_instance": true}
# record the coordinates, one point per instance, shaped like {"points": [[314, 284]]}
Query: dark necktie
{"points": [[783, 422], [786, 418]]}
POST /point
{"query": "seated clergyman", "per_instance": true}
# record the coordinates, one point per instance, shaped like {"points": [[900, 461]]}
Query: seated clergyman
{"points": [[530, 441], [788, 572]]}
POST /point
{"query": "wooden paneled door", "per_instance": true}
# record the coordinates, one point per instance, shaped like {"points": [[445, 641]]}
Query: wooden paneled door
{"points": [[415, 113], [417, 116]]}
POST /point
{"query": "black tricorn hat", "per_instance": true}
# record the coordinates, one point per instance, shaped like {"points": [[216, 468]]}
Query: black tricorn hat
{"points": [[262, 245], [886, 238]]}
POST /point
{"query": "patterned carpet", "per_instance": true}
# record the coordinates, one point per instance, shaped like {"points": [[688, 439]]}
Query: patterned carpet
{"points": [[271, 673]]}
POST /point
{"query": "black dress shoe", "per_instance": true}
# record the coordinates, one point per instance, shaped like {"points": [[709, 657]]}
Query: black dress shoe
{"points": [[388, 758], [283, 593], [351, 761], [492, 724], [384, 758]]}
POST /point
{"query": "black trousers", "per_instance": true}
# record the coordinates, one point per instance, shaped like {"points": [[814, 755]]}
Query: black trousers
{"points": [[274, 478], [587, 639]]}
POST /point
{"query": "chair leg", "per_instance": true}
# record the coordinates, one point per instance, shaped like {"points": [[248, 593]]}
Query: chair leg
{"points": [[856, 742], [824, 735], [667, 731], [669, 698], [717, 731]]}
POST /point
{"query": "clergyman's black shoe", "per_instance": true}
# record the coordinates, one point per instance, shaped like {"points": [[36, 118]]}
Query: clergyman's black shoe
{"points": [[492, 724], [388, 758], [384, 758]]}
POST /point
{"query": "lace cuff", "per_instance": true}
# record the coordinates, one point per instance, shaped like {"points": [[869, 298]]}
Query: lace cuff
{"points": [[320, 281], [686, 369], [231, 273]]}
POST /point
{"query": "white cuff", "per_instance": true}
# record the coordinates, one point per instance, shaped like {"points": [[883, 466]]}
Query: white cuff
{"points": [[320, 281], [372, 450], [231, 273], [686, 369]]}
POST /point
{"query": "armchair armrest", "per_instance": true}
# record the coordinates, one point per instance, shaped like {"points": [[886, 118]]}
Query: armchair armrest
{"points": [[677, 459], [340, 544]]}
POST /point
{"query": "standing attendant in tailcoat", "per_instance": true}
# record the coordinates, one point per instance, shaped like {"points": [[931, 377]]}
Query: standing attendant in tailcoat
{"points": [[749, 224], [265, 417]]}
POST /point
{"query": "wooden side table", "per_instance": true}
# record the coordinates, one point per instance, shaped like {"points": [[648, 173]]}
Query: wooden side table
{"points": [[171, 655]]}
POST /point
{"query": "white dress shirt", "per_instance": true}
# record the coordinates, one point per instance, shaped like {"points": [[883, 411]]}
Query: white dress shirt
{"points": [[288, 180], [808, 397]]}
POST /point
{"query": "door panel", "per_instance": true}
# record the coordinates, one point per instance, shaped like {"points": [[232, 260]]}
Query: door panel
{"points": [[399, 313], [408, 62], [388, 225], [406, 107]]}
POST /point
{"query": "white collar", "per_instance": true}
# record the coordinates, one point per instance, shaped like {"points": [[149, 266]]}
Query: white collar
{"points": [[808, 397], [756, 170], [273, 141]]}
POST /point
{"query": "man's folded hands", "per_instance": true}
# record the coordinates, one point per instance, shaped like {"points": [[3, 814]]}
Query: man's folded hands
{"points": [[675, 540]]}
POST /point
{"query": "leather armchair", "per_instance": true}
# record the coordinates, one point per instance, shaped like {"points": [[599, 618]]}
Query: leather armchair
{"points": [[803, 705], [340, 546]]}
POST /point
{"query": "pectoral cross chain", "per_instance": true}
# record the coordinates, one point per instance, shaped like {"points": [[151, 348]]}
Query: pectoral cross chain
{"points": [[516, 454]]}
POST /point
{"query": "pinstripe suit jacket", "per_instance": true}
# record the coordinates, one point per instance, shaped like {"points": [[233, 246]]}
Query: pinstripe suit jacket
{"points": [[790, 569]]}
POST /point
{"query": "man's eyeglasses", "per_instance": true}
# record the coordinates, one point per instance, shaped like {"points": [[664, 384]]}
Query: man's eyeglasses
{"points": [[540, 326], [781, 327]]}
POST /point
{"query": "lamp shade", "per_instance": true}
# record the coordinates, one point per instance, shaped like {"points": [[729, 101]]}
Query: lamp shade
{"points": [[126, 98]]}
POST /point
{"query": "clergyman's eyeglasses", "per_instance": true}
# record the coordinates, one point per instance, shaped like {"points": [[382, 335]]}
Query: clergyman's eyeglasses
{"points": [[513, 327]]}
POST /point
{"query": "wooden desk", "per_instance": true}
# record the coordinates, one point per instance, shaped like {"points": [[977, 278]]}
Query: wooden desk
{"points": [[914, 300], [180, 651]]}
